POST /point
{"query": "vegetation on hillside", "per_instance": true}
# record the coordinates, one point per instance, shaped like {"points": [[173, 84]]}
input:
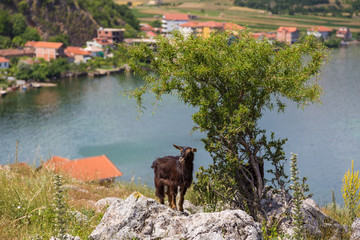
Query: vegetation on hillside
{"points": [[69, 21], [303, 7], [231, 81]]}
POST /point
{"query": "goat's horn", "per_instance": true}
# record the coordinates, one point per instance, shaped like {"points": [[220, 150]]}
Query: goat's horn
{"points": [[177, 147]]}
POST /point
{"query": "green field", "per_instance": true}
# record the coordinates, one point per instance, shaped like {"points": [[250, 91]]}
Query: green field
{"points": [[256, 20]]}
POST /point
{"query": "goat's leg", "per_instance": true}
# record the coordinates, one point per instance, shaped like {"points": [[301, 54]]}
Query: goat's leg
{"points": [[168, 193], [159, 190], [173, 193], [181, 201]]}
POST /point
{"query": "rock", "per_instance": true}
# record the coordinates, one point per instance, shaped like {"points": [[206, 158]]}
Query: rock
{"points": [[104, 203], [66, 237], [79, 216], [355, 229], [280, 209], [145, 218]]}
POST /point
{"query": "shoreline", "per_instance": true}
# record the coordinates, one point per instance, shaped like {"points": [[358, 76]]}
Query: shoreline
{"points": [[31, 85]]}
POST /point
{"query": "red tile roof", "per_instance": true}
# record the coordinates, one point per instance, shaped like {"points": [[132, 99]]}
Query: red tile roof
{"points": [[232, 26], [30, 43], [16, 52], [287, 29], [2, 59], [48, 45], [72, 51], [146, 27], [211, 24], [191, 24], [85, 169], [176, 16], [151, 34], [320, 29]]}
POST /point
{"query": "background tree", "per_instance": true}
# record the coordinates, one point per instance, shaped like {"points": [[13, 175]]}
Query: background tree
{"points": [[231, 81]]}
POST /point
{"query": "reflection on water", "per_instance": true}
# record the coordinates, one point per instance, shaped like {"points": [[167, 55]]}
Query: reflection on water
{"points": [[89, 116]]}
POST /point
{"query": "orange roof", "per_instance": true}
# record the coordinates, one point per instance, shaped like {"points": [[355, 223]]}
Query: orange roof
{"points": [[287, 29], [48, 44], [151, 34], [211, 24], [102, 41], [2, 59], [232, 26], [85, 169], [30, 43], [146, 27], [176, 16], [191, 24], [320, 29], [72, 51]]}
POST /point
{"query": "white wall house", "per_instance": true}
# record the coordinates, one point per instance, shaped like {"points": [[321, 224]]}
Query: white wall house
{"points": [[4, 63], [172, 21]]}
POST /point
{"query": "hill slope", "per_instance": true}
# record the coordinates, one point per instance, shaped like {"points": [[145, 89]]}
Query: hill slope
{"points": [[75, 19]]}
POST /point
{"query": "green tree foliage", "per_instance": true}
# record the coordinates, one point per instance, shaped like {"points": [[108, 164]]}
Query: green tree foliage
{"points": [[64, 38], [18, 24], [231, 81], [30, 34], [5, 23], [5, 42], [108, 13]]}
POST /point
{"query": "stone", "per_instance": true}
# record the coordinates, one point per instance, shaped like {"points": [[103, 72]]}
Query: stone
{"points": [[355, 229], [279, 210], [145, 218], [104, 203], [66, 237]]}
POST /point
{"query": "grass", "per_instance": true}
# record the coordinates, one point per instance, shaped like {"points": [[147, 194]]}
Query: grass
{"points": [[28, 207]]}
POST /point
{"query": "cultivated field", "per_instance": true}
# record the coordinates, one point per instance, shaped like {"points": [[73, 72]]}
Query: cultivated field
{"points": [[256, 20]]}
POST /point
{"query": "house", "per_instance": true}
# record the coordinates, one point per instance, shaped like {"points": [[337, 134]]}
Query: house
{"points": [[144, 27], [204, 29], [113, 35], [344, 33], [77, 54], [102, 43], [95, 51], [4, 63], [97, 168], [261, 35], [287, 34], [320, 31], [47, 50], [9, 53], [172, 21]]}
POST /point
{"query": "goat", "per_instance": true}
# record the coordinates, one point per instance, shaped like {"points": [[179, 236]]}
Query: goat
{"points": [[174, 172]]}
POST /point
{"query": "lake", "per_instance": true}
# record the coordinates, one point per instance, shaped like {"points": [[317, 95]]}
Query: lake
{"points": [[90, 116]]}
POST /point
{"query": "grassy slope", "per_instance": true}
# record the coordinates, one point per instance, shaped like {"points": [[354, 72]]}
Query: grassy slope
{"points": [[256, 20]]}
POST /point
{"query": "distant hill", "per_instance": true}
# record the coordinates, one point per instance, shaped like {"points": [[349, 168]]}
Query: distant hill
{"points": [[73, 21]]}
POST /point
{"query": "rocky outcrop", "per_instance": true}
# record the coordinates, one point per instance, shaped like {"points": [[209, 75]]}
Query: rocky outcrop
{"points": [[279, 210], [145, 218], [355, 229]]}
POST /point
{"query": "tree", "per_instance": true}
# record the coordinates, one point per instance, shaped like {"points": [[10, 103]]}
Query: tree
{"points": [[231, 80], [19, 24], [30, 34], [5, 23]]}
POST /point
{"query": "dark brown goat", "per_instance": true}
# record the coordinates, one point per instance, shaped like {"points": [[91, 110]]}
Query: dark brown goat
{"points": [[174, 172]]}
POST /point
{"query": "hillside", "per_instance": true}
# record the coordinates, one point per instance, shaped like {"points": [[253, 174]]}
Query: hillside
{"points": [[74, 21]]}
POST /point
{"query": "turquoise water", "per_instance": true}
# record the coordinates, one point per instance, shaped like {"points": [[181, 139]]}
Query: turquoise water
{"points": [[89, 116]]}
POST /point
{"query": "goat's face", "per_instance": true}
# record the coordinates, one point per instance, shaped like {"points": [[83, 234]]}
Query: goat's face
{"points": [[186, 153]]}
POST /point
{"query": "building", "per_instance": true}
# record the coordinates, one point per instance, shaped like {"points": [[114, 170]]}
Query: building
{"points": [[172, 21], [98, 168], [102, 43], [46, 50], [287, 34], [77, 54], [344, 33], [4, 63], [320, 31], [9, 53], [204, 29], [113, 35], [95, 51]]}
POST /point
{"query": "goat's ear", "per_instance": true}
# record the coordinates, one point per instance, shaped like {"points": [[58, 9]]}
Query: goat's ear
{"points": [[194, 149], [177, 147]]}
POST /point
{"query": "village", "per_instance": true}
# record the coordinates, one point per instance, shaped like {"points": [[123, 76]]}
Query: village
{"points": [[106, 40]]}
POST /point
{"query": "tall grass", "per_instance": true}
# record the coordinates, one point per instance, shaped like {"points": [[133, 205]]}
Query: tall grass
{"points": [[28, 208]]}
